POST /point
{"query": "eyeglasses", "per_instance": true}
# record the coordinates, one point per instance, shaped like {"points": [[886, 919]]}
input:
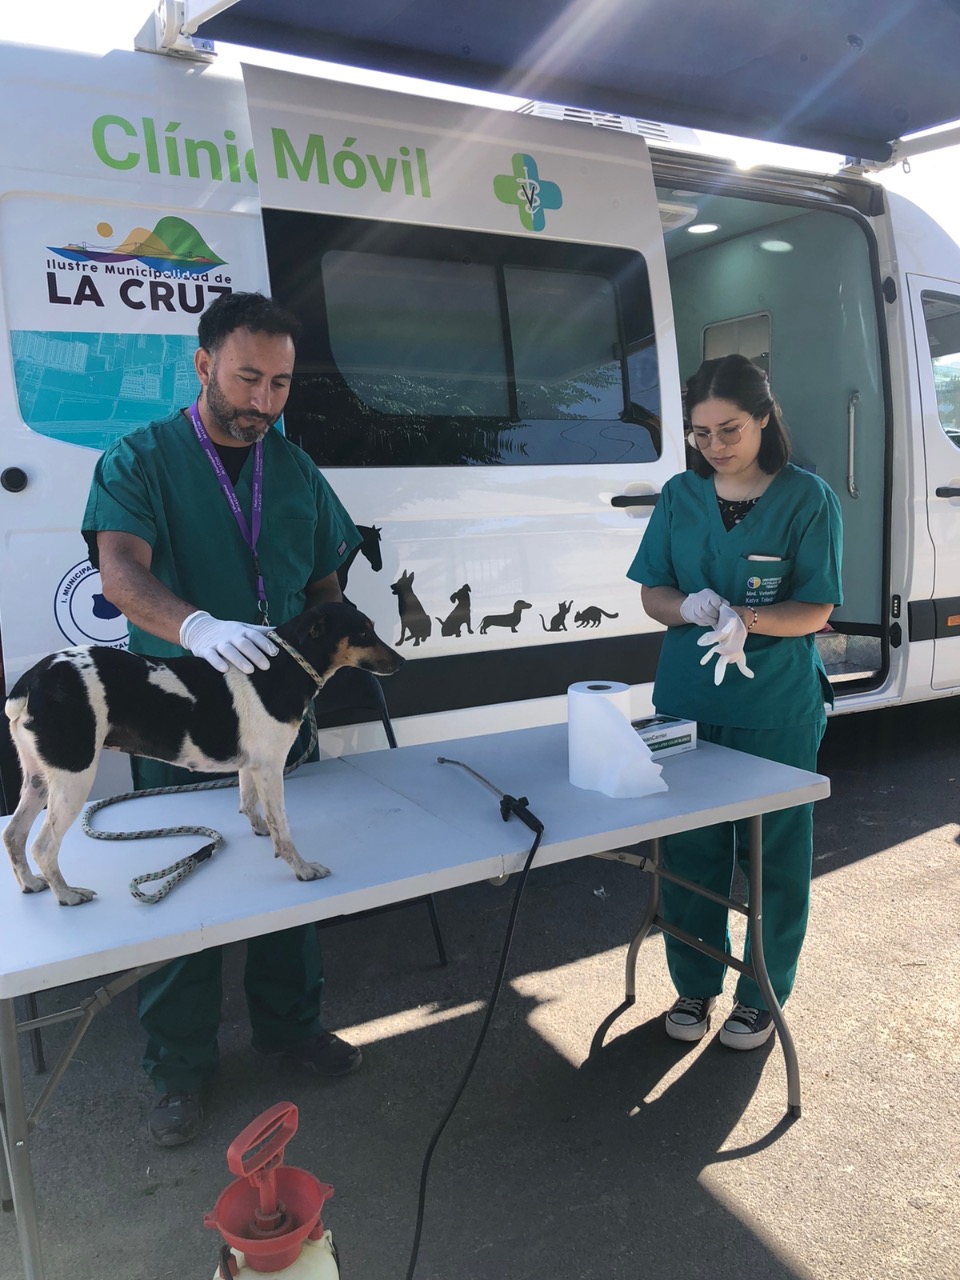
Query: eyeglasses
{"points": [[704, 439]]}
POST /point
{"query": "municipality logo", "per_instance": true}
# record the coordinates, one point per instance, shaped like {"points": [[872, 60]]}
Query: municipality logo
{"points": [[174, 247], [525, 188], [82, 611]]}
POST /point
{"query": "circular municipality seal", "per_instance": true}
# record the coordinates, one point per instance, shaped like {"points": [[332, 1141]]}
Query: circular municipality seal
{"points": [[83, 613]]}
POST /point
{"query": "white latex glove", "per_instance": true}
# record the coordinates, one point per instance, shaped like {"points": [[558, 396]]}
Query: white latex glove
{"points": [[241, 644], [728, 641], [702, 609]]}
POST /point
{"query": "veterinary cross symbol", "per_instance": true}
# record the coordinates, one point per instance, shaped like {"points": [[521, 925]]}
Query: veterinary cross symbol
{"points": [[525, 188]]}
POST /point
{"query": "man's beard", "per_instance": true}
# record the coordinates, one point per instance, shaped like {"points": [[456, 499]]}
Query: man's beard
{"points": [[226, 417]]}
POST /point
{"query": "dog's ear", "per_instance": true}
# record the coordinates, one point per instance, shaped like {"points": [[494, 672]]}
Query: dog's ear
{"points": [[319, 626]]}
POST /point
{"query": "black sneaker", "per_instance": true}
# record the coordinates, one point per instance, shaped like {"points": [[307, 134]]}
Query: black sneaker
{"points": [[747, 1028], [324, 1053], [689, 1018], [175, 1119]]}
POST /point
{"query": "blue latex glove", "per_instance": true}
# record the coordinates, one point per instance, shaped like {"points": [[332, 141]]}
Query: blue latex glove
{"points": [[728, 642]]}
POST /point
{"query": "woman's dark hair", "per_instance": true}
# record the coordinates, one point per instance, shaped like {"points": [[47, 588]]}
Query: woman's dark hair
{"points": [[739, 380], [251, 311]]}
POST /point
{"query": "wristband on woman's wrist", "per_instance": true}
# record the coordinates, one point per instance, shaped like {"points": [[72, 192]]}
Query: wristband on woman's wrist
{"points": [[755, 619]]}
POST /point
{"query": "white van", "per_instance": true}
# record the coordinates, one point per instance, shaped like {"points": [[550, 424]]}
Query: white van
{"points": [[498, 310]]}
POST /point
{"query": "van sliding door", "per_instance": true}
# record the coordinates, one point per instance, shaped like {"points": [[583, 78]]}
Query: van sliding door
{"points": [[487, 375]]}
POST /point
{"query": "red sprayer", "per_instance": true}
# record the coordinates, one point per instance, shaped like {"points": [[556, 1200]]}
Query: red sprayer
{"points": [[270, 1217]]}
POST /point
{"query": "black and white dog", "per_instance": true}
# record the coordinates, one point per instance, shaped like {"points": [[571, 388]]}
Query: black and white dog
{"points": [[65, 710]]}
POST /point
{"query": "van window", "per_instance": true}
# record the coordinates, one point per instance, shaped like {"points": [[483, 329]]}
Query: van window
{"points": [[941, 312], [746, 336], [428, 347]]}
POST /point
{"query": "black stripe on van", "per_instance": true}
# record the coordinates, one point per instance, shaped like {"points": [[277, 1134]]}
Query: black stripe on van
{"points": [[934, 619], [459, 681]]}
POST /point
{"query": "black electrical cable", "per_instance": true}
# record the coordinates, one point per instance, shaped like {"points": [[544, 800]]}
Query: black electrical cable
{"points": [[508, 806]]}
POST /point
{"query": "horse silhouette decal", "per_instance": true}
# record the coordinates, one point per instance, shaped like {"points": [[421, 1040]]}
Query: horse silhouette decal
{"points": [[369, 548]]}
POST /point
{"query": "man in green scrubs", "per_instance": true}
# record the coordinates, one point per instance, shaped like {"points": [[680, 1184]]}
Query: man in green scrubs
{"points": [[203, 526]]}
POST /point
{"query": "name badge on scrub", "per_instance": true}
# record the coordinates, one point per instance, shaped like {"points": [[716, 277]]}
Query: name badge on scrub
{"points": [[764, 579]]}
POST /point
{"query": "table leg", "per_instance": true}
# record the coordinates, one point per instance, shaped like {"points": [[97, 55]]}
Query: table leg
{"points": [[653, 906], [755, 913], [15, 1141], [6, 1191]]}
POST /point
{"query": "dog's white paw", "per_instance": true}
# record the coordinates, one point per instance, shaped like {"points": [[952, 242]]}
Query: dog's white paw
{"points": [[313, 871], [74, 897], [258, 825], [32, 884]]}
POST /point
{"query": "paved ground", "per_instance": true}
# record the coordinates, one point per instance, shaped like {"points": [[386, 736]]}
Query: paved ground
{"points": [[639, 1159]]}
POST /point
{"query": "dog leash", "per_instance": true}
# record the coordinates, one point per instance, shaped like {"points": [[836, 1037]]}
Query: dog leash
{"points": [[172, 875], [314, 675]]}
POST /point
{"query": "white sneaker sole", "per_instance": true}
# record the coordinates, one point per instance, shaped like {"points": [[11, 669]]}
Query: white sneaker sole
{"points": [[688, 1032], [745, 1039]]}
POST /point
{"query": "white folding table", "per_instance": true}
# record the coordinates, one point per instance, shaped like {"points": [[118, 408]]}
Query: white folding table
{"points": [[391, 825]]}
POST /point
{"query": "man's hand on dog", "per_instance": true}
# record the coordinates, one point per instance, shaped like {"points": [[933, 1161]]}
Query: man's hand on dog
{"points": [[225, 644]]}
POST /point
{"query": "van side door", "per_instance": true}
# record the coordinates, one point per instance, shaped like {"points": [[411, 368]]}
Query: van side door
{"points": [[935, 307]]}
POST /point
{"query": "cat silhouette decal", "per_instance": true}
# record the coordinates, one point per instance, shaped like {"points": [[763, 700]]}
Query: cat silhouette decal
{"points": [[591, 616], [559, 620]]}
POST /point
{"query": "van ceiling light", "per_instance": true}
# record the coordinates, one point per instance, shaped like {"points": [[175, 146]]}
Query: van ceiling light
{"points": [[673, 216], [703, 228], [776, 246]]}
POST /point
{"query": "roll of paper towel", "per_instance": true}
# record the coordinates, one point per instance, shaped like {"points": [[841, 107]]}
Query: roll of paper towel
{"points": [[606, 752]]}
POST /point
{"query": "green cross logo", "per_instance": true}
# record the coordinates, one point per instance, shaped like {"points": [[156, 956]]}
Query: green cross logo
{"points": [[525, 188]]}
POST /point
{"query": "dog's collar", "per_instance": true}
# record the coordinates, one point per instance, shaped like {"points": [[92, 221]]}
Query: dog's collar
{"points": [[319, 680]]}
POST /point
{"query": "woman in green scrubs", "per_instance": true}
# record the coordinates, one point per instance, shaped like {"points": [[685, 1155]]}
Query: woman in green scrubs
{"points": [[741, 563]]}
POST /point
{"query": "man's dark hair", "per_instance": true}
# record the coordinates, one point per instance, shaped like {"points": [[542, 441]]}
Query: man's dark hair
{"points": [[251, 311]]}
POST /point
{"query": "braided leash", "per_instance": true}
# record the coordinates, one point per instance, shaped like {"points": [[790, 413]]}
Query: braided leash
{"points": [[177, 871]]}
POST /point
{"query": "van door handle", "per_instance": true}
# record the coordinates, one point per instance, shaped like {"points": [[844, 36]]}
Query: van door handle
{"points": [[635, 500], [945, 491]]}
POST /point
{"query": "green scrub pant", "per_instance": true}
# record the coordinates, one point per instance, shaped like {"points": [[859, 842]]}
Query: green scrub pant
{"points": [[179, 1005], [708, 857]]}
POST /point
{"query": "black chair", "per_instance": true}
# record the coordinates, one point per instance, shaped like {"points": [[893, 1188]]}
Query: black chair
{"points": [[356, 697]]}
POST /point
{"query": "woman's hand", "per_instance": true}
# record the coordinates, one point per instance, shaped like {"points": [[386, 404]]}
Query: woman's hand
{"points": [[702, 608], [789, 618], [662, 604], [728, 641]]}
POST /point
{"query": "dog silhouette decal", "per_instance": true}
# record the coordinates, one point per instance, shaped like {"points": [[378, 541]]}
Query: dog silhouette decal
{"points": [[415, 624], [511, 620], [459, 615]]}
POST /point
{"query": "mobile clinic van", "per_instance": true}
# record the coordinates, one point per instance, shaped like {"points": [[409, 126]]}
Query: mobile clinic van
{"points": [[498, 309]]}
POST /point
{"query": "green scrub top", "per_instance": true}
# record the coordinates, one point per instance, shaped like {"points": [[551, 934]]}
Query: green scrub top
{"points": [[787, 547], [157, 483]]}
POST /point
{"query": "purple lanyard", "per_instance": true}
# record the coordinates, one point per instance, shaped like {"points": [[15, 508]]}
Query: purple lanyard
{"points": [[250, 537]]}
